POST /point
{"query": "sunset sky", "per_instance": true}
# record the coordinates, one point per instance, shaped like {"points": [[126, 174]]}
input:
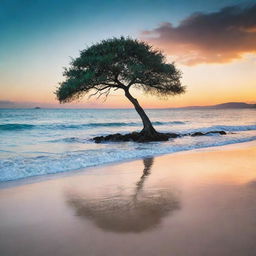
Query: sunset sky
{"points": [[213, 43]]}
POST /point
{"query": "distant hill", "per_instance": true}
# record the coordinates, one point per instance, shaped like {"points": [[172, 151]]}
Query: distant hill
{"points": [[235, 105], [228, 105]]}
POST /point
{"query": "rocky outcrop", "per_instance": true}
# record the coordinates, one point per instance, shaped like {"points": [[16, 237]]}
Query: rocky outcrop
{"points": [[140, 137]]}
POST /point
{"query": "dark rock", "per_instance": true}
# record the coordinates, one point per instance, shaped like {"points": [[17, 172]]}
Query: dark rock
{"points": [[207, 133], [135, 136], [197, 134], [173, 135], [219, 132], [141, 137]]}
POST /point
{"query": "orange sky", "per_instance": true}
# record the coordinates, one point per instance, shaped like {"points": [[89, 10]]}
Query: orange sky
{"points": [[207, 84]]}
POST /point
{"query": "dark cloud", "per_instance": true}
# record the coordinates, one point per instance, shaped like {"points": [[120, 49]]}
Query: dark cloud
{"points": [[215, 37]]}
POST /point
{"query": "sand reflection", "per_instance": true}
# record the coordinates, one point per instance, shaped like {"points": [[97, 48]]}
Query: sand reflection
{"points": [[135, 211]]}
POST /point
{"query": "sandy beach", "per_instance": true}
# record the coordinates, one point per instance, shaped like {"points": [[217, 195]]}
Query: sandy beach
{"points": [[198, 203], [127, 128]]}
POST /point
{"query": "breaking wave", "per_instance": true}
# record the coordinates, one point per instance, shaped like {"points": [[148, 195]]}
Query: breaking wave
{"points": [[22, 167], [15, 127]]}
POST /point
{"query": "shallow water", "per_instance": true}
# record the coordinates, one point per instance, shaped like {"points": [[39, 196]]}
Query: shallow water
{"points": [[45, 141]]}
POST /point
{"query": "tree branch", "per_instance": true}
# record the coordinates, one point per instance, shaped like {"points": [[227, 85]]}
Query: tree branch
{"points": [[119, 84], [131, 82], [101, 91]]}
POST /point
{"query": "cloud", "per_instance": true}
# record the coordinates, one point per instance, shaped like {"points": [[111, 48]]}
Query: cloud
{"points": [[216, 37]]}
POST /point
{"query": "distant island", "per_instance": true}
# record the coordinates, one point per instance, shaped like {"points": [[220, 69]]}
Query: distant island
{"points": [[228, 105]]}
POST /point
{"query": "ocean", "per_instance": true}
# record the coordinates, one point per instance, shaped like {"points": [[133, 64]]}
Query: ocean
{"points": [[37, 142]]}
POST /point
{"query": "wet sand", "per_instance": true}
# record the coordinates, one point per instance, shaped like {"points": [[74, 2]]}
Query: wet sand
{"points": [[198, 203]]}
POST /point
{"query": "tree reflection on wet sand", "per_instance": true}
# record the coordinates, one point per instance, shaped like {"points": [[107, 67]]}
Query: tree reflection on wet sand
{"points": [[140, 210]]}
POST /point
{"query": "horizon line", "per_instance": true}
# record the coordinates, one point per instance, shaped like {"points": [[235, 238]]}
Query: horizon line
{"points": [[113, 108]]}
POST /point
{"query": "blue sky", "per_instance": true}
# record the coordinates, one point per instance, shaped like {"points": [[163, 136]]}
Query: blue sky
{"points": [[38, 36]]}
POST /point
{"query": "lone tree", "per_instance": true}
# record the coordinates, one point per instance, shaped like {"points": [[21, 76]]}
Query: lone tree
{"points": [[119, 64]]}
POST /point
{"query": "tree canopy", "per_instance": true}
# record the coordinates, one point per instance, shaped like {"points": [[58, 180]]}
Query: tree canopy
{"points": [[119, 63]]}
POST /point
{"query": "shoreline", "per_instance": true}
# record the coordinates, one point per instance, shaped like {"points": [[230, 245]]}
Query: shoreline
{"points": [[36, 145], [59, 175], [200, 202]]}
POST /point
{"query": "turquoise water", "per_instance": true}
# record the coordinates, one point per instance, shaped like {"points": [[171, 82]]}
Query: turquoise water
{"points": [[44, 141]]}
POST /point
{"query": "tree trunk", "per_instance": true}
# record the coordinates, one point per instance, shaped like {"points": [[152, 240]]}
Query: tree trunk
{"points": [[148, 129]]}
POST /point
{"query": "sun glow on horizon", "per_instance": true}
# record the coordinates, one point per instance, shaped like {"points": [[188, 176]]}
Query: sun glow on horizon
{"points": [[207, 84]]}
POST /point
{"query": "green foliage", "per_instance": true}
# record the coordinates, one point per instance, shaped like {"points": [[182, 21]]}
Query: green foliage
{"points": [[119, 63]]}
